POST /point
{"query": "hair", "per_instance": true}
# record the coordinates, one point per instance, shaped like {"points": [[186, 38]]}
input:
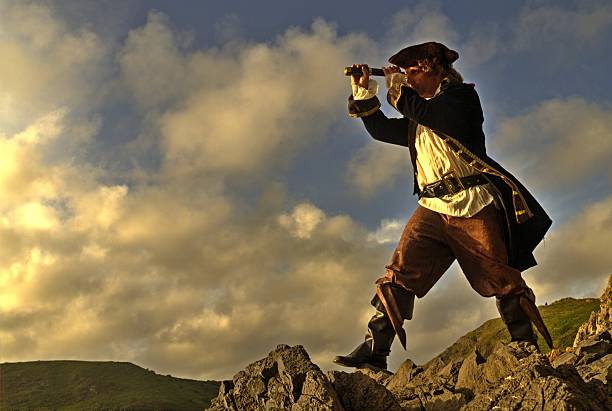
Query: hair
{"points": [[432, 65], [453, 75]]}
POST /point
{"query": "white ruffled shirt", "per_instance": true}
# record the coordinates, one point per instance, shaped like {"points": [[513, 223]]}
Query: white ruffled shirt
{"points": [[434, 159]]}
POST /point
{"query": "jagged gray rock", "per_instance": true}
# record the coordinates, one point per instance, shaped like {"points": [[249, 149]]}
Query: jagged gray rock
{"points": [[600, 369], [405, 373], [591, 359], [358, 392], [591, 354], [513, 377], [285, 380], [377, 374], [430, 389], [599, 321], [469, 376], [517, 376], [567, 358]]}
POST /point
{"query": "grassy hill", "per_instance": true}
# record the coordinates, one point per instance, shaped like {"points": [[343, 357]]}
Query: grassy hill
{"points": [[86, 385], [563, 318]]}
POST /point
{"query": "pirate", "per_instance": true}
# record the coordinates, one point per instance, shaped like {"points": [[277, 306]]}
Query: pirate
{"points": [[470, 209]]}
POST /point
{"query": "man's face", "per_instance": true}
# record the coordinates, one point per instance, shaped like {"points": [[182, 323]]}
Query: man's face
{"points": [[424, 83]]}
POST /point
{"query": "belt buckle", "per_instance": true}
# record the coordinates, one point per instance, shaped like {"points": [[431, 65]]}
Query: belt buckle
{"points": [[452, 183]]}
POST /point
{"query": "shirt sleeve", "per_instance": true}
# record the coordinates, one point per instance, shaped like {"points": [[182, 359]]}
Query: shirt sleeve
{"points": [[397, 80], [362, 93]]}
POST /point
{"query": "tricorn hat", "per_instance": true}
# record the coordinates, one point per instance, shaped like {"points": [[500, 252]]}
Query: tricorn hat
{"points": [[410, 56]]}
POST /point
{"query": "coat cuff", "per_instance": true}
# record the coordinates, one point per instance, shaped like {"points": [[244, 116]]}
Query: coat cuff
{"points": [[362, 108]]}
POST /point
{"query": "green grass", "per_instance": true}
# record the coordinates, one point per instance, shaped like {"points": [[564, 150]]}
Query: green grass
{"points": [[85, 385], [562, 318]]}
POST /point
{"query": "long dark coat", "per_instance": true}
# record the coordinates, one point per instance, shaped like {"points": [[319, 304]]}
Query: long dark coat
{"points": [[455, 114]]}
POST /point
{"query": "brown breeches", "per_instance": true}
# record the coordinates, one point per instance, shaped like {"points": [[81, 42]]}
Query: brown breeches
{"points": [[432, 241]]}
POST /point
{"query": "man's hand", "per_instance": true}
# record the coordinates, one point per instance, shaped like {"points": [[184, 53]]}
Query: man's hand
{"points": [[364, 79], [389, 73]]}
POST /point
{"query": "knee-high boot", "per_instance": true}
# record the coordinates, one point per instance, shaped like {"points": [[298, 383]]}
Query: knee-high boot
{"points": [[517, 322], [377, 345]]}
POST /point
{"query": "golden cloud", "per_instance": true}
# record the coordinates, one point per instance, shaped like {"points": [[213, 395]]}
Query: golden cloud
{"points": [[559, 143]]}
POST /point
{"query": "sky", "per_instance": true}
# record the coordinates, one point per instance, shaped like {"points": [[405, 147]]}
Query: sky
{"points": [[181, 186]]}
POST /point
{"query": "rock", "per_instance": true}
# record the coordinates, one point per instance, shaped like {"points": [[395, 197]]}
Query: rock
{"points": [[600, 369], [446, 400], [599, 321], [434, 366], [554, 353], [517, 376], [377, 374], [405, 373], [285, 380], [505, 359], [586, 329], [432, 389], [317, 395], [412, 404], [470, 374], [358, 392], [450, 371], [567, 358], [594, 347]]}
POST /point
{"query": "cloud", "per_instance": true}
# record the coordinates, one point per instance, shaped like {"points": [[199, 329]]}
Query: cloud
{"points": [[303, 220], [47, 65], [424, 22], [153, 62], [574, 259], [389, 231], [377, 165], [559, 142], [562, 27], [552, 29], [175, 270], [482, 43], [244, 108], [150, 274], [20, 183], [428, 22]]}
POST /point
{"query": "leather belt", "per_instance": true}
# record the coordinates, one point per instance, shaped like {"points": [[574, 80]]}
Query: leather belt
{"points": [[451, 184]]}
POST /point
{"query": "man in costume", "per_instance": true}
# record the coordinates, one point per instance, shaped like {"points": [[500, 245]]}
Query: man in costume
{"points": [[469, 207]]}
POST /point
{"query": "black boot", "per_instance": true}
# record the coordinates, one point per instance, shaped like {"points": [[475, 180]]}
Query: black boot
{"points": [[516, 320], [377, 345]]}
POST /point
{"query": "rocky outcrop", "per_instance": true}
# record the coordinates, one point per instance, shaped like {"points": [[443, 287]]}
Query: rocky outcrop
{"points": [[359, 392], [592, 359], [429, 389], [514, 376], [285, 380], [599, 321]]}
